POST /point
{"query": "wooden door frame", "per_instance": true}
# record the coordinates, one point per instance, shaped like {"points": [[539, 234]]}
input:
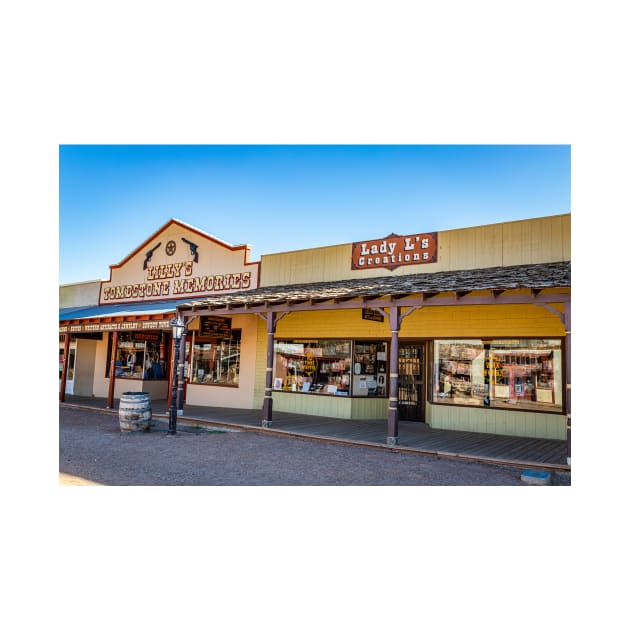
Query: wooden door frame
{"points": [[422, 395]]}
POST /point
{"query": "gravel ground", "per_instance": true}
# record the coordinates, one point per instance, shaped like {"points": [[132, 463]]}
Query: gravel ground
{"points": [[92, 450]]}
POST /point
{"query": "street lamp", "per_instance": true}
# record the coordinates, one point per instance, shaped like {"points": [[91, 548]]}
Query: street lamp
{"points": [[178, 327]]}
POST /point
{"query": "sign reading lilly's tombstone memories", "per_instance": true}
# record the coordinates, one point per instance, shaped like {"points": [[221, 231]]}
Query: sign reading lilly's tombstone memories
{"points": [[179, 262], [394, 251]]}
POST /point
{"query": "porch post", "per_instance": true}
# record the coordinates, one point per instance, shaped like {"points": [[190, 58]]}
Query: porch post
{"points": [[567, 327], [112, 371], [392, 412], [268, 401], [64, 369], [180, 373]]}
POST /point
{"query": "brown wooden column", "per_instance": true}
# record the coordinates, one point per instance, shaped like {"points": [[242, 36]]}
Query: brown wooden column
{"points": [[392, 412], [64, 369], [567, 328], [268, 401], [112, 371], [565, 318]]}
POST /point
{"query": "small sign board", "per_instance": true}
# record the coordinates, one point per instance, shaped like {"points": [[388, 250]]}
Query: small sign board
{"points": [[372, 315], [146, 336], [211, 326]]}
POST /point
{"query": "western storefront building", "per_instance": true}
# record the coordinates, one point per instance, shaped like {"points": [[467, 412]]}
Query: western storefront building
{"points": [[126, 320], [463, 329]]}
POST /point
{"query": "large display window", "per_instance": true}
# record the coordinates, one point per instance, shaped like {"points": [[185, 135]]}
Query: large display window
{"points": [[334, 367], [505, 373], [216, 361], [140, 355]]}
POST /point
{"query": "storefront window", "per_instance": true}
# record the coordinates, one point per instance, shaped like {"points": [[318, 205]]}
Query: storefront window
{"points": [[526, 373], [140, 355], [217, 361], [507, 373], [335, 367], [369, 368], [313, 366]]}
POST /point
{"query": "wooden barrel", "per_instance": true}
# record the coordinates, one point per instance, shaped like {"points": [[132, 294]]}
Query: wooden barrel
{"points": [[134, 412]]}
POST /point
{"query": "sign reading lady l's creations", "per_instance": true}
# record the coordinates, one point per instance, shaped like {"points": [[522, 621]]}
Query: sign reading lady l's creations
{"points": [[393, 251]]}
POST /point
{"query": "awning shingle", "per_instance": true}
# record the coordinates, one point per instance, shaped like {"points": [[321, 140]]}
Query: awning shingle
{"points": [[536, 276]]}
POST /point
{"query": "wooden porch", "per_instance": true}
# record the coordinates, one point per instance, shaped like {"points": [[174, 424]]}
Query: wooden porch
{"points": [[413, 436]]}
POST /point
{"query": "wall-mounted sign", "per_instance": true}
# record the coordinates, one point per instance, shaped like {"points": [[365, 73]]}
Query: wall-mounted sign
{"points": [[394, 251], [220, 327], [146, 336], [372, 315], [178, 262], [163, 324]]}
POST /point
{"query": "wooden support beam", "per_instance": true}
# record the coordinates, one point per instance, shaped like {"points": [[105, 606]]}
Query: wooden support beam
{"points": [[392, 410], [64, 369], [555, 311], [112, 371], [427, 295], [267, 418], [567, 329]]}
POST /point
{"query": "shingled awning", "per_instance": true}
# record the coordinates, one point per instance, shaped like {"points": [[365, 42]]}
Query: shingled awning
{"points": [[429, 288]]}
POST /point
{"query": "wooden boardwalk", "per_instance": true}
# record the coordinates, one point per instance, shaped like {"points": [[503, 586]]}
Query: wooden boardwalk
{"points": [[413, 436]]}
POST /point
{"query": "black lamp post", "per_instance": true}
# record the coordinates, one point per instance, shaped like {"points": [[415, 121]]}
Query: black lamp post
{"points": [[178, 328]]}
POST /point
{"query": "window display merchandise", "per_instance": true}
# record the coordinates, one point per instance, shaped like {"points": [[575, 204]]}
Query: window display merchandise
{"points": [[217, 361], [509, 373], [336, 367], [141, 355]]}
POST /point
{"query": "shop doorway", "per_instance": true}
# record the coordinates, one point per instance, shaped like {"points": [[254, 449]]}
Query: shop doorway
{"points": [[72, 353], [411, 381]]}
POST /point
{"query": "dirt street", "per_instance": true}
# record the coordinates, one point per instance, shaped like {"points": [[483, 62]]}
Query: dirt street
{"points": [[93, 451]]}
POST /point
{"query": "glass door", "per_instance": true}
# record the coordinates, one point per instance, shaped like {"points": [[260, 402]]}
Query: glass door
{"points": [[72, 352], [411, 381]]}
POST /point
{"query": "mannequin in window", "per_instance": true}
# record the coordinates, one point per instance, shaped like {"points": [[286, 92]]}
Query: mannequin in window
{"points": [[149, 367]]}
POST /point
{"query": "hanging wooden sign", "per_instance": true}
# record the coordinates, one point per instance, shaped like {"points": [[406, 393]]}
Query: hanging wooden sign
{"points": [[372, 315], [220, 327]]}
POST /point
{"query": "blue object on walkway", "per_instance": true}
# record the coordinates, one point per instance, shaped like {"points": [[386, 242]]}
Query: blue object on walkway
{"points": [[536, 477]]}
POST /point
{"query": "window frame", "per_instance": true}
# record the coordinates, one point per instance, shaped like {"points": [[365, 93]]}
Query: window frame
{"points": [[352, 376], [488, 340], [204, 339]]}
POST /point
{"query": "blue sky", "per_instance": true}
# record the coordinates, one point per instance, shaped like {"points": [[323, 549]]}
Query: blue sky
{"points": [[285, 197]]}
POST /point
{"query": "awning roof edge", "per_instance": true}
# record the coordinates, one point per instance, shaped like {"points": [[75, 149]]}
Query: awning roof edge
{"points": [[119, 310], [533, 276]]}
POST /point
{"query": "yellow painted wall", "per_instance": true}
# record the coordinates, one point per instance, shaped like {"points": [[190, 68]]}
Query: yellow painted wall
{"points": [[509, 320], [498, 421], [429, 322], [345, 324], [426, 323], [546, 239]]}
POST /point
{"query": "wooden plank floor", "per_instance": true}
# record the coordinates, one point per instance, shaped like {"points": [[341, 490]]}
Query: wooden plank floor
{"points": [[414, 436]]}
